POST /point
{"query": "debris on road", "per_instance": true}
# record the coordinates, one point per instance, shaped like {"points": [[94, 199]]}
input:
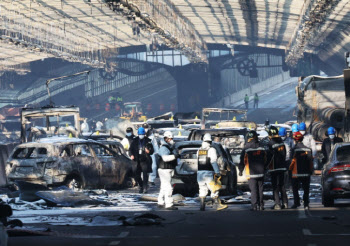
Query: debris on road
{"points": [[143, 220]]}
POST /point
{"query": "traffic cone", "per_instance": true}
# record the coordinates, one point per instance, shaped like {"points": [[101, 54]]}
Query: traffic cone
{"points": [[276, 122], [180, 126], [179, 134], [70, 135], [234, 118]]}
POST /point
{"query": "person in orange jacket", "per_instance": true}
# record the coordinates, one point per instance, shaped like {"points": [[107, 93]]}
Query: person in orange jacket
{"points": [[301, 168]]}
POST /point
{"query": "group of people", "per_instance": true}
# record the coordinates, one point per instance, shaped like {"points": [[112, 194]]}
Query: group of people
{"points": [[282, 157], [256, 101]]}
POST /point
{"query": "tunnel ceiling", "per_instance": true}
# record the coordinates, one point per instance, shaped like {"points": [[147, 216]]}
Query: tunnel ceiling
{"points": [[297, 26]]}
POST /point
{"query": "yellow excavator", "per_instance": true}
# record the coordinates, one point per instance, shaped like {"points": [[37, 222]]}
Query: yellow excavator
{"points": [[133, 111]]}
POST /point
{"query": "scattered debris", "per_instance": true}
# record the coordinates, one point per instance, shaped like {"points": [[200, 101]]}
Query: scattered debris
{"points": [[69, 198], [143, 220]]}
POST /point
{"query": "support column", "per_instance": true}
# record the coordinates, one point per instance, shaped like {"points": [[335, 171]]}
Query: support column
{"points": [[192, 87]]}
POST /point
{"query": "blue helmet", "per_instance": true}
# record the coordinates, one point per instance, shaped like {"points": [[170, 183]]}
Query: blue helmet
{"points": [[331, 131], [141, 131], [282, 132], [302, 126], [295, 128]]}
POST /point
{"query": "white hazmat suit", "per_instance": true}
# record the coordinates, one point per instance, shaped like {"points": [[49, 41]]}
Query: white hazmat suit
{"points": [[204, 177]]}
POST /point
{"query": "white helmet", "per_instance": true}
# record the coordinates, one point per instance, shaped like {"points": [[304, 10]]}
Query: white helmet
{"points": [[168, 134], [207, 137]]}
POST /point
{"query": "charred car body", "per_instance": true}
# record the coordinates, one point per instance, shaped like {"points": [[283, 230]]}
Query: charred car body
{"points": [[186, 170], [73, 162]]}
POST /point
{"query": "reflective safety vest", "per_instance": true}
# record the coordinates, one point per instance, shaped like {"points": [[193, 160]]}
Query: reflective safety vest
{"points": [[119, 99], [254, 161], [204, 163], [278, 161], [246, 99], [302, 163], [256, 98], [167, 165]]}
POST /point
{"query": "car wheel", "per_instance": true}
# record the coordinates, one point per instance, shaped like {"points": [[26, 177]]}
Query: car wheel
{"points": [[74, 182], [327, 199]]}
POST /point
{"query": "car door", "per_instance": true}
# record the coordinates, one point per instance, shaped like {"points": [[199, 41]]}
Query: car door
{"points": [[84, 164]]}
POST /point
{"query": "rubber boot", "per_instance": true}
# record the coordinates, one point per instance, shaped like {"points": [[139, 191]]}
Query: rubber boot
{"points": [[202, 203], [219, 205]]}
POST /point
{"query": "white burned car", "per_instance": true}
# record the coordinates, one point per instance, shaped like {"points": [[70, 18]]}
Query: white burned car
{"points": [[73, 162]]}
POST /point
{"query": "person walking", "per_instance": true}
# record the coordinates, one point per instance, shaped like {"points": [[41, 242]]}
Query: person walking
{"points": [[208, 172], [289, 143], [141, 150], [253, 160], [302, 168], [167, 163], [256, 100], [277, 167], [128, 140], [246, 101], [328, 144], [309, 142]]}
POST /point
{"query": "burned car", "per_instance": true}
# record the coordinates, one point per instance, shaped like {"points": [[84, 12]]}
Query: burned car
{"points": [[76, 163], [186, 171]]}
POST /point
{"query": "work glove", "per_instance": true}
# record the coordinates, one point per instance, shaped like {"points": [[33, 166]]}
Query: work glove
{"points": [[216, 176], [240, 173]]}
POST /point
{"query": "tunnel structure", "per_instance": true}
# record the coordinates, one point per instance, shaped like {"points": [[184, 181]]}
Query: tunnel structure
{"points": [[197, 51]]}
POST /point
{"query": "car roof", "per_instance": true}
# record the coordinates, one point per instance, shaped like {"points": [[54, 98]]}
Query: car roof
{"points": [[56, 141]]}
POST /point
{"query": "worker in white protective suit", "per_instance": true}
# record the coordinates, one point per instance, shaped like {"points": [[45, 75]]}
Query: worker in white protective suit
{"points": [[99, 126], [208, 171], [85, 126], [167, 163]]}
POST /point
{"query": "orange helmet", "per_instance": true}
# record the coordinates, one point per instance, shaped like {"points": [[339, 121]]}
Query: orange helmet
{"points": [[297, 136]]}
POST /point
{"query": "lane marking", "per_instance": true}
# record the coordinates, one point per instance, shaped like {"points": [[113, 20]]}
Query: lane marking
{"points": [[301, 214], [123, 234], [114, 243]]}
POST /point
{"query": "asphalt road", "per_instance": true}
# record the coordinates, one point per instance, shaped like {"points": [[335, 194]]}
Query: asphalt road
{"points": [[276, 104], [236, 225]]}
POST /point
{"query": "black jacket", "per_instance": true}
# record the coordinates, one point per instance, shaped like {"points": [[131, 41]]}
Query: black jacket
{"points": [[302, 164], [130, 139], [277, 155], [327, 146], [137, 149], [253, 160]]}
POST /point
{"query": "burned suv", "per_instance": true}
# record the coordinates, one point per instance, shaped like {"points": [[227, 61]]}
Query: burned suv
{"points": [[186, 171], [73, 162]]}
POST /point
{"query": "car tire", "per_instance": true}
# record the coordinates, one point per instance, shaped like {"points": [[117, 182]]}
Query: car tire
{"points": [[74, 182], [327, 199]]}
